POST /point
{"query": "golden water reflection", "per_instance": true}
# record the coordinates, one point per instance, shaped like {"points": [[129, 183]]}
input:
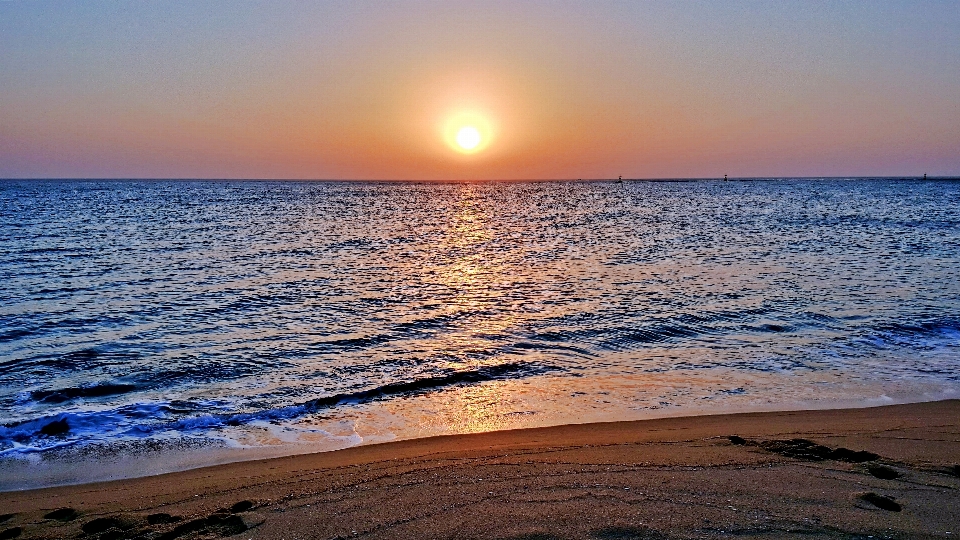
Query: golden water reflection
{"points": [[468, 267]]}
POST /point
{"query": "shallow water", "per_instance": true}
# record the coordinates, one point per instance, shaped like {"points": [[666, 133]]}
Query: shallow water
{"points": [[300, 316]]}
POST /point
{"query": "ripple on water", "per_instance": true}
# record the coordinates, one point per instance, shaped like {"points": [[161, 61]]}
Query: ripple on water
{"points": [[256, 311]]}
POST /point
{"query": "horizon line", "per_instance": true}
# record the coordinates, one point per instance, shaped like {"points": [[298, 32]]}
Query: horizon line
{"points": [[466, 180]]}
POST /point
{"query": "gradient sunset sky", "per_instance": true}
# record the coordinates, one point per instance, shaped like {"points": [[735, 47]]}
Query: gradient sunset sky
{"points": [[377, 90]]}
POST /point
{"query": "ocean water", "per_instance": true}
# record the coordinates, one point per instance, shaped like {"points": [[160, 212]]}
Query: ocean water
{"points": [[197, 322]]}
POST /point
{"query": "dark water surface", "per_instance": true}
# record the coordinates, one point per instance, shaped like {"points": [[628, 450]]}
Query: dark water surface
{"points": [[328, 314]]}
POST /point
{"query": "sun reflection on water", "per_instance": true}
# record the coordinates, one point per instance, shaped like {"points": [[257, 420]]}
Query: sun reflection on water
{"points": [[468, 266]]}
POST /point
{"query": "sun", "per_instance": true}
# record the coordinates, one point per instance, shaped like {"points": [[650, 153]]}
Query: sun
{"points": [[468, 137], [468, 131]]}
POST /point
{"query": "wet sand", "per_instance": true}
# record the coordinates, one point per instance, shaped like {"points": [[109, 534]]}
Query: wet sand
{"points": [[883, 472]]}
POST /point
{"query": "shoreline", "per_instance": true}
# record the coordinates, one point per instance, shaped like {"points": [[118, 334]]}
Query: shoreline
{"points": [[106, 461], [693, 476]]}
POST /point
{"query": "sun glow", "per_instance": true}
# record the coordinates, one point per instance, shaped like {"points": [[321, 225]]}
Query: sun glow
{"points": [[468, 132]]}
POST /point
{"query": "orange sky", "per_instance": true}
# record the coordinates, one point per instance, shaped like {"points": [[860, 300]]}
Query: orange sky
{"points": [[354, 90]]}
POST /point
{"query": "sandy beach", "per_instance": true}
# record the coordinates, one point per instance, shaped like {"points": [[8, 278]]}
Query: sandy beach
{"points": [[886, 472]]}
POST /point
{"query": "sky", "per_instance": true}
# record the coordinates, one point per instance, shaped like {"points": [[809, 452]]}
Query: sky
{"points": [[553, 90]]}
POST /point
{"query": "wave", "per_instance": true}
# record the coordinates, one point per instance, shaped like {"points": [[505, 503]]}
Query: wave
{"points": [[945, 326], [182, 417], [921, 334], [14, 334], [76, 360], [586, 333], [66, 394]]}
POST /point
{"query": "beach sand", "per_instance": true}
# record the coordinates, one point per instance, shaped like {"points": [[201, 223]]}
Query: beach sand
{"points": [[882, 472]]}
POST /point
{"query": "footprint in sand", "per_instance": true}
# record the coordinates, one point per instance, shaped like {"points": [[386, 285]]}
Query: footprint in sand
{"points": [[63, 514], [883, 472], [12, 532], [104, 524], [241, 506], [162, 518], [807, 450], [881, 502], [625, 533], [219, 523]]}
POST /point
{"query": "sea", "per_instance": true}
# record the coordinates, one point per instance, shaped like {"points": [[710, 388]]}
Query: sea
{"points": [[153, 326]]}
